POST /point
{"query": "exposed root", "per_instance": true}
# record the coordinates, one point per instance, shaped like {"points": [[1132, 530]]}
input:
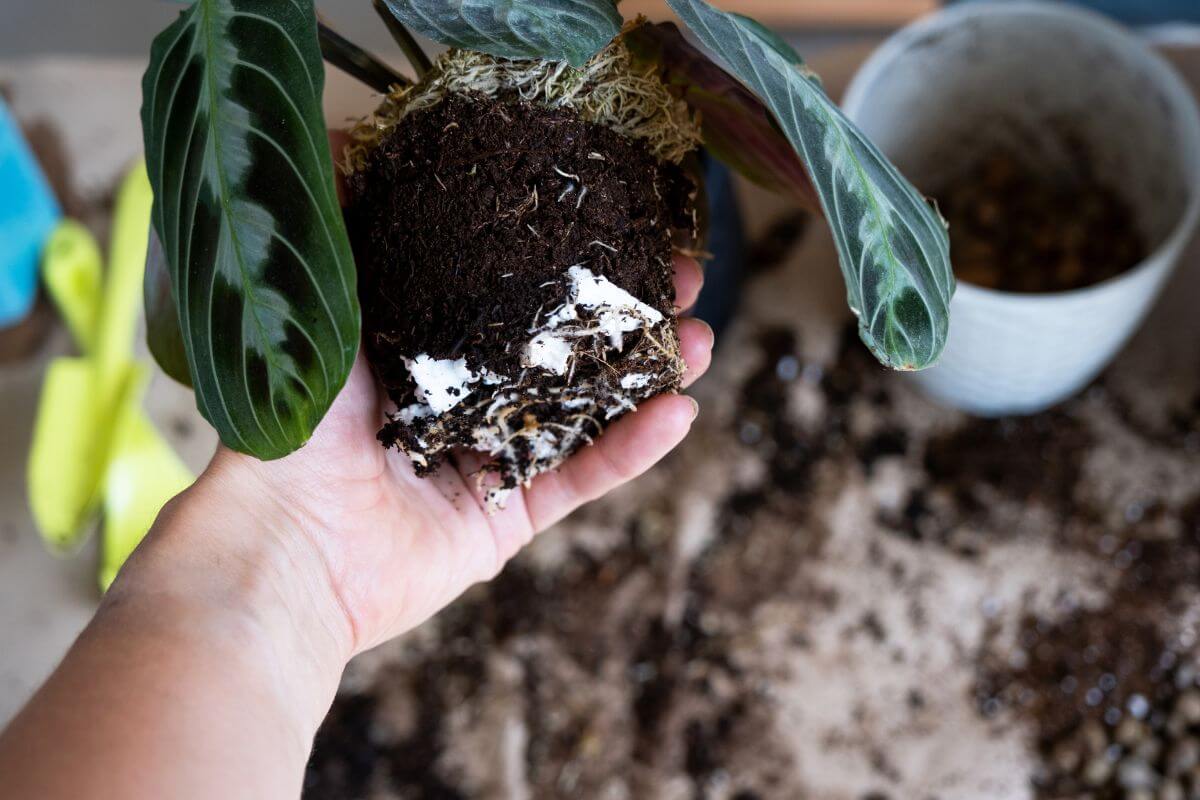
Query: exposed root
{"points": [[524, 363], [611, 90], [521, 446]]}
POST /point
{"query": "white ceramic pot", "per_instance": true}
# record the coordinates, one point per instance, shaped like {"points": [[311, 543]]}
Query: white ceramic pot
{"points": [[944, 89]]}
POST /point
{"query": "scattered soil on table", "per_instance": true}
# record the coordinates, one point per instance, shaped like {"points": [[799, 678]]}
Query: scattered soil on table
{"points": [[770, 249], [1019, 230], [1026, 459], [1026, 462], [467, 216], [832, 590], [1114, 693]]}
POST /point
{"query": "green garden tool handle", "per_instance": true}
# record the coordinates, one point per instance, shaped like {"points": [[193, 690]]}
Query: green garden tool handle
{"points": [[69, 456], [126, 266], [143, 474], [93, 446], [71, 269]]}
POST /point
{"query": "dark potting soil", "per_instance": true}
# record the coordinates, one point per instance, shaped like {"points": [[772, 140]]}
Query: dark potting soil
{"points": [[1020, 230], [467, 216]]}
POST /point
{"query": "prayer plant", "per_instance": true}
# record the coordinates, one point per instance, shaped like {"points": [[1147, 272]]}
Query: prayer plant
{"points": [[252, 293]]}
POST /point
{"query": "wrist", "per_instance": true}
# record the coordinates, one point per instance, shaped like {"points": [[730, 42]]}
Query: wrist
{"points": [[226, 569]]}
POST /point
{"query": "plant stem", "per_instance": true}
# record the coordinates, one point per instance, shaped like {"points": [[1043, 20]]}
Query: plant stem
{"points": [[412, 51], [356, 62]]}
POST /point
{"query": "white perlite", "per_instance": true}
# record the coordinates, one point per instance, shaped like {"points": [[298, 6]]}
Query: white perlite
{"points": [[549, 352], [615, 311], [410, 414], [592, 320], [636, 380], [442, 383]]}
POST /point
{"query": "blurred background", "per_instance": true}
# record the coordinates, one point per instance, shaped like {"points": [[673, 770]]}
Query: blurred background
{"points": [[845, 584], [124, 27]]}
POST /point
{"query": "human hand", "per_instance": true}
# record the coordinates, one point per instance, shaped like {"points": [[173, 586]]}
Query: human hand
{"points": [[372, 549], [398, 548]]}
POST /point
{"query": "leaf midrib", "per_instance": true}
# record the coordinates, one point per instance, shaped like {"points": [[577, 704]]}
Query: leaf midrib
{"points": [[308, 189], [867, 188], [892, 266], [888, 211], [206, 28]]}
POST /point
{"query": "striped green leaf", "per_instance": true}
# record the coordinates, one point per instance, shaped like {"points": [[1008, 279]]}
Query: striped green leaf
{"points": [[892, 244], [552, 30], [163, 335], [260, 267]]}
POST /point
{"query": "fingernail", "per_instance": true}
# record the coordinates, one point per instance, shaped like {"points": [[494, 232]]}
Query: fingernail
{"points": [[695, 408]]}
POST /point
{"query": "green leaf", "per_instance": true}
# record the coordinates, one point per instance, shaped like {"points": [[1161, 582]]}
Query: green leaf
{"points": [[551, 30], [163, 335], [261, 270], [892, 245], [738, 129]]}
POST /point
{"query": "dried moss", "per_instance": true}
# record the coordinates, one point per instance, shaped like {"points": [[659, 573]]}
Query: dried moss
{"points": [[611, 90]]}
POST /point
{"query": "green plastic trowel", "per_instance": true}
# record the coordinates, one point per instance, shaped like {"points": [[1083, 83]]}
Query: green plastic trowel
{"points": [[94, 450]]}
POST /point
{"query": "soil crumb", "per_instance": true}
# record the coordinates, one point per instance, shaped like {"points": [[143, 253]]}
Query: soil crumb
{"points": [[1016, 229]]}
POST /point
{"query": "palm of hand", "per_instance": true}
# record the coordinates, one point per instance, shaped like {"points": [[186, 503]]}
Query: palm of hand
{"points": [[398, 548]]}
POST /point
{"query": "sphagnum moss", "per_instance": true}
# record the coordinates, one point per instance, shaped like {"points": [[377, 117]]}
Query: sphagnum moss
{"points": [[611, 90]]}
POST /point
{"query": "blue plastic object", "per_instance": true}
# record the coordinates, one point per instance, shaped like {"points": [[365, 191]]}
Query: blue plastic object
{"points": [[28, 213]]}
